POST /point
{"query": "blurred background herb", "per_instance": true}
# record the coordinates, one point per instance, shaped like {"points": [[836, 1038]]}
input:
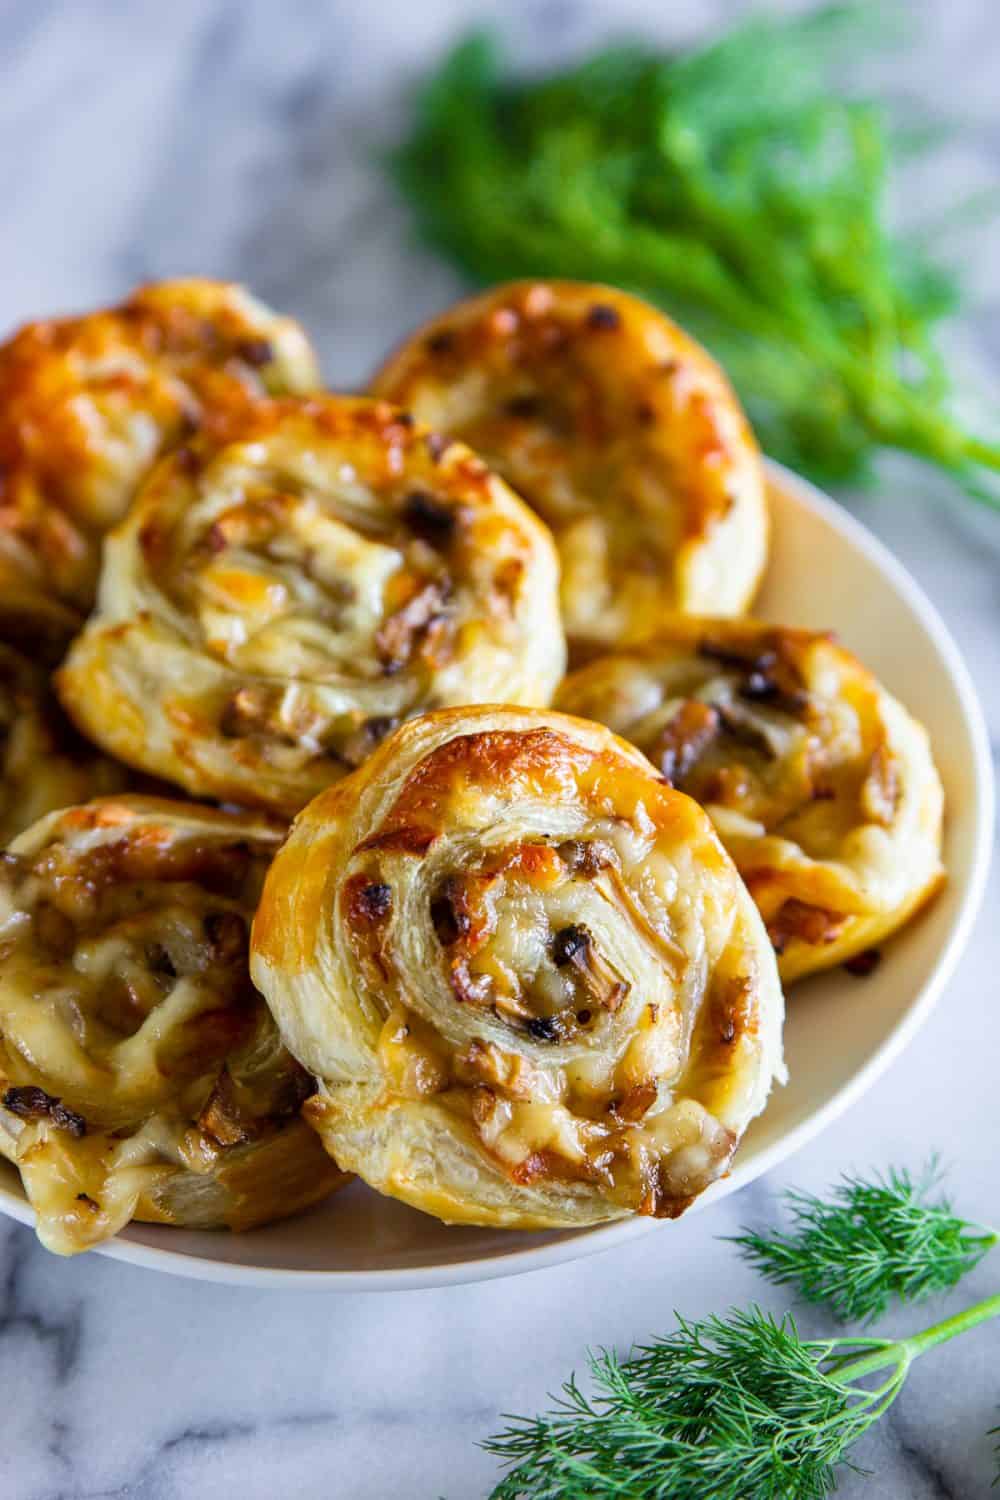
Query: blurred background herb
{"points": [[735, 187]]}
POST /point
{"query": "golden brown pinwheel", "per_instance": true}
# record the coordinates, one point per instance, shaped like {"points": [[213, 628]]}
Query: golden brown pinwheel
{"points": [[87, 404], [283, 593], [821, 785], [141, 1075], [618, 429], [526, 974]]}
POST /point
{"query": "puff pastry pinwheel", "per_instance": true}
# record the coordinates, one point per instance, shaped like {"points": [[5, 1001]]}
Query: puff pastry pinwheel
{"points": [[88, 403], [141, 1075], [279, 597], [819, 782], [618, 429], [44, 764], [526, 974]]}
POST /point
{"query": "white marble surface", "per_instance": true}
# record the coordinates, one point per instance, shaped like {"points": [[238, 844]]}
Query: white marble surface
{"points": [[140, 139]]}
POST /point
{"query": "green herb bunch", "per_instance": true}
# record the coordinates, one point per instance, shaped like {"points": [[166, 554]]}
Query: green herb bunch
{"points": [[870, 1242], [741, 1407], [733, 187]]}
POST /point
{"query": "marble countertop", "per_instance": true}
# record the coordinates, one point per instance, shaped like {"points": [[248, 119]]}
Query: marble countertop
{"points": [[236, 138]]}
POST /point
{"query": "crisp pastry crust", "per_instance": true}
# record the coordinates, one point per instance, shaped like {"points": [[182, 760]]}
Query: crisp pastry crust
{"points": [[821, 785], [526, 974], [141, 1075], [88, 404], [281, 595], [618, 429], [44, 764]]}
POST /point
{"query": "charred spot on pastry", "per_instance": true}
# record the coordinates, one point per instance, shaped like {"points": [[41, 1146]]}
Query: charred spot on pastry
{"points": [[544, 1028], [255, 352], [526, 407], [374, 901], [29, 1102], [441, 342], [865, 963], [429, 518], [602, 316]]}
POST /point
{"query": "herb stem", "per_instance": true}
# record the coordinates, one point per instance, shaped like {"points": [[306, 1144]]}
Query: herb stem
{"points": [[902, 1352]]}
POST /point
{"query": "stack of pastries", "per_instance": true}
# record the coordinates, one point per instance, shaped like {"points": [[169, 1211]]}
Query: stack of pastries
{"points": [[518, 959]]}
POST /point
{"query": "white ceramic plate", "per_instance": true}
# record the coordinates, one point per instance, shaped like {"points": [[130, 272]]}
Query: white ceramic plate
{"points": [[825, 571]]}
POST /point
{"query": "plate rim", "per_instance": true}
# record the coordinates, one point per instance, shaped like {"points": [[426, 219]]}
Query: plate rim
{"points": [[583, 1243]]}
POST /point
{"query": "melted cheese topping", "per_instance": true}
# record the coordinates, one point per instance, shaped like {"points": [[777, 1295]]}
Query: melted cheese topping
{"points": [[529, 981], [142, 1076], [618, 429], [281, 596], [820, 784], [88, 404]]}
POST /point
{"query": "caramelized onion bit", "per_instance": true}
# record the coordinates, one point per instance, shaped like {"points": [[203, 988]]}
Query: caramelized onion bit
{"points": [[863, 964], [429, 519], [809, 924], [396, 638], [575, 946], [32, 1103], [741, 661], [685, 738]]}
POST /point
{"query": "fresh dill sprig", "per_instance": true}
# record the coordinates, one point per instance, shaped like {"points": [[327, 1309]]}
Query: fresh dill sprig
{"points": [[869, 1242], [735, 187], [728, 1406]]}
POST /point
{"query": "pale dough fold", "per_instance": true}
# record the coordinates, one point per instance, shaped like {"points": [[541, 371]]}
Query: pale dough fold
{"points": [[529, 980], [141, 1075], [284, 592], [821, 785], [618, 429]]}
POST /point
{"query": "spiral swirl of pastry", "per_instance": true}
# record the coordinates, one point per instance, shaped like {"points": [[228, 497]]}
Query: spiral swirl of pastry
{"points": [[44, 764], [618, 429], [820, 784], [88, 404], [280, 597], [141, 1075], [530, 983]]}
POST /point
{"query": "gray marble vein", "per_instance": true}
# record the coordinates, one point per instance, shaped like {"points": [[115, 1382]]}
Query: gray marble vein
{"points": [[240, 138]]}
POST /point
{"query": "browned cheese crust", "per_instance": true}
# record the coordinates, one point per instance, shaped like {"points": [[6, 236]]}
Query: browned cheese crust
{"points": [[618, 429], [87, 405]]}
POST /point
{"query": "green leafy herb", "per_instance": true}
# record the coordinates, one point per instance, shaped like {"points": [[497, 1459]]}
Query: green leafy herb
{"points": [[725, 1407], [869, 1242], [734, 187]]}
